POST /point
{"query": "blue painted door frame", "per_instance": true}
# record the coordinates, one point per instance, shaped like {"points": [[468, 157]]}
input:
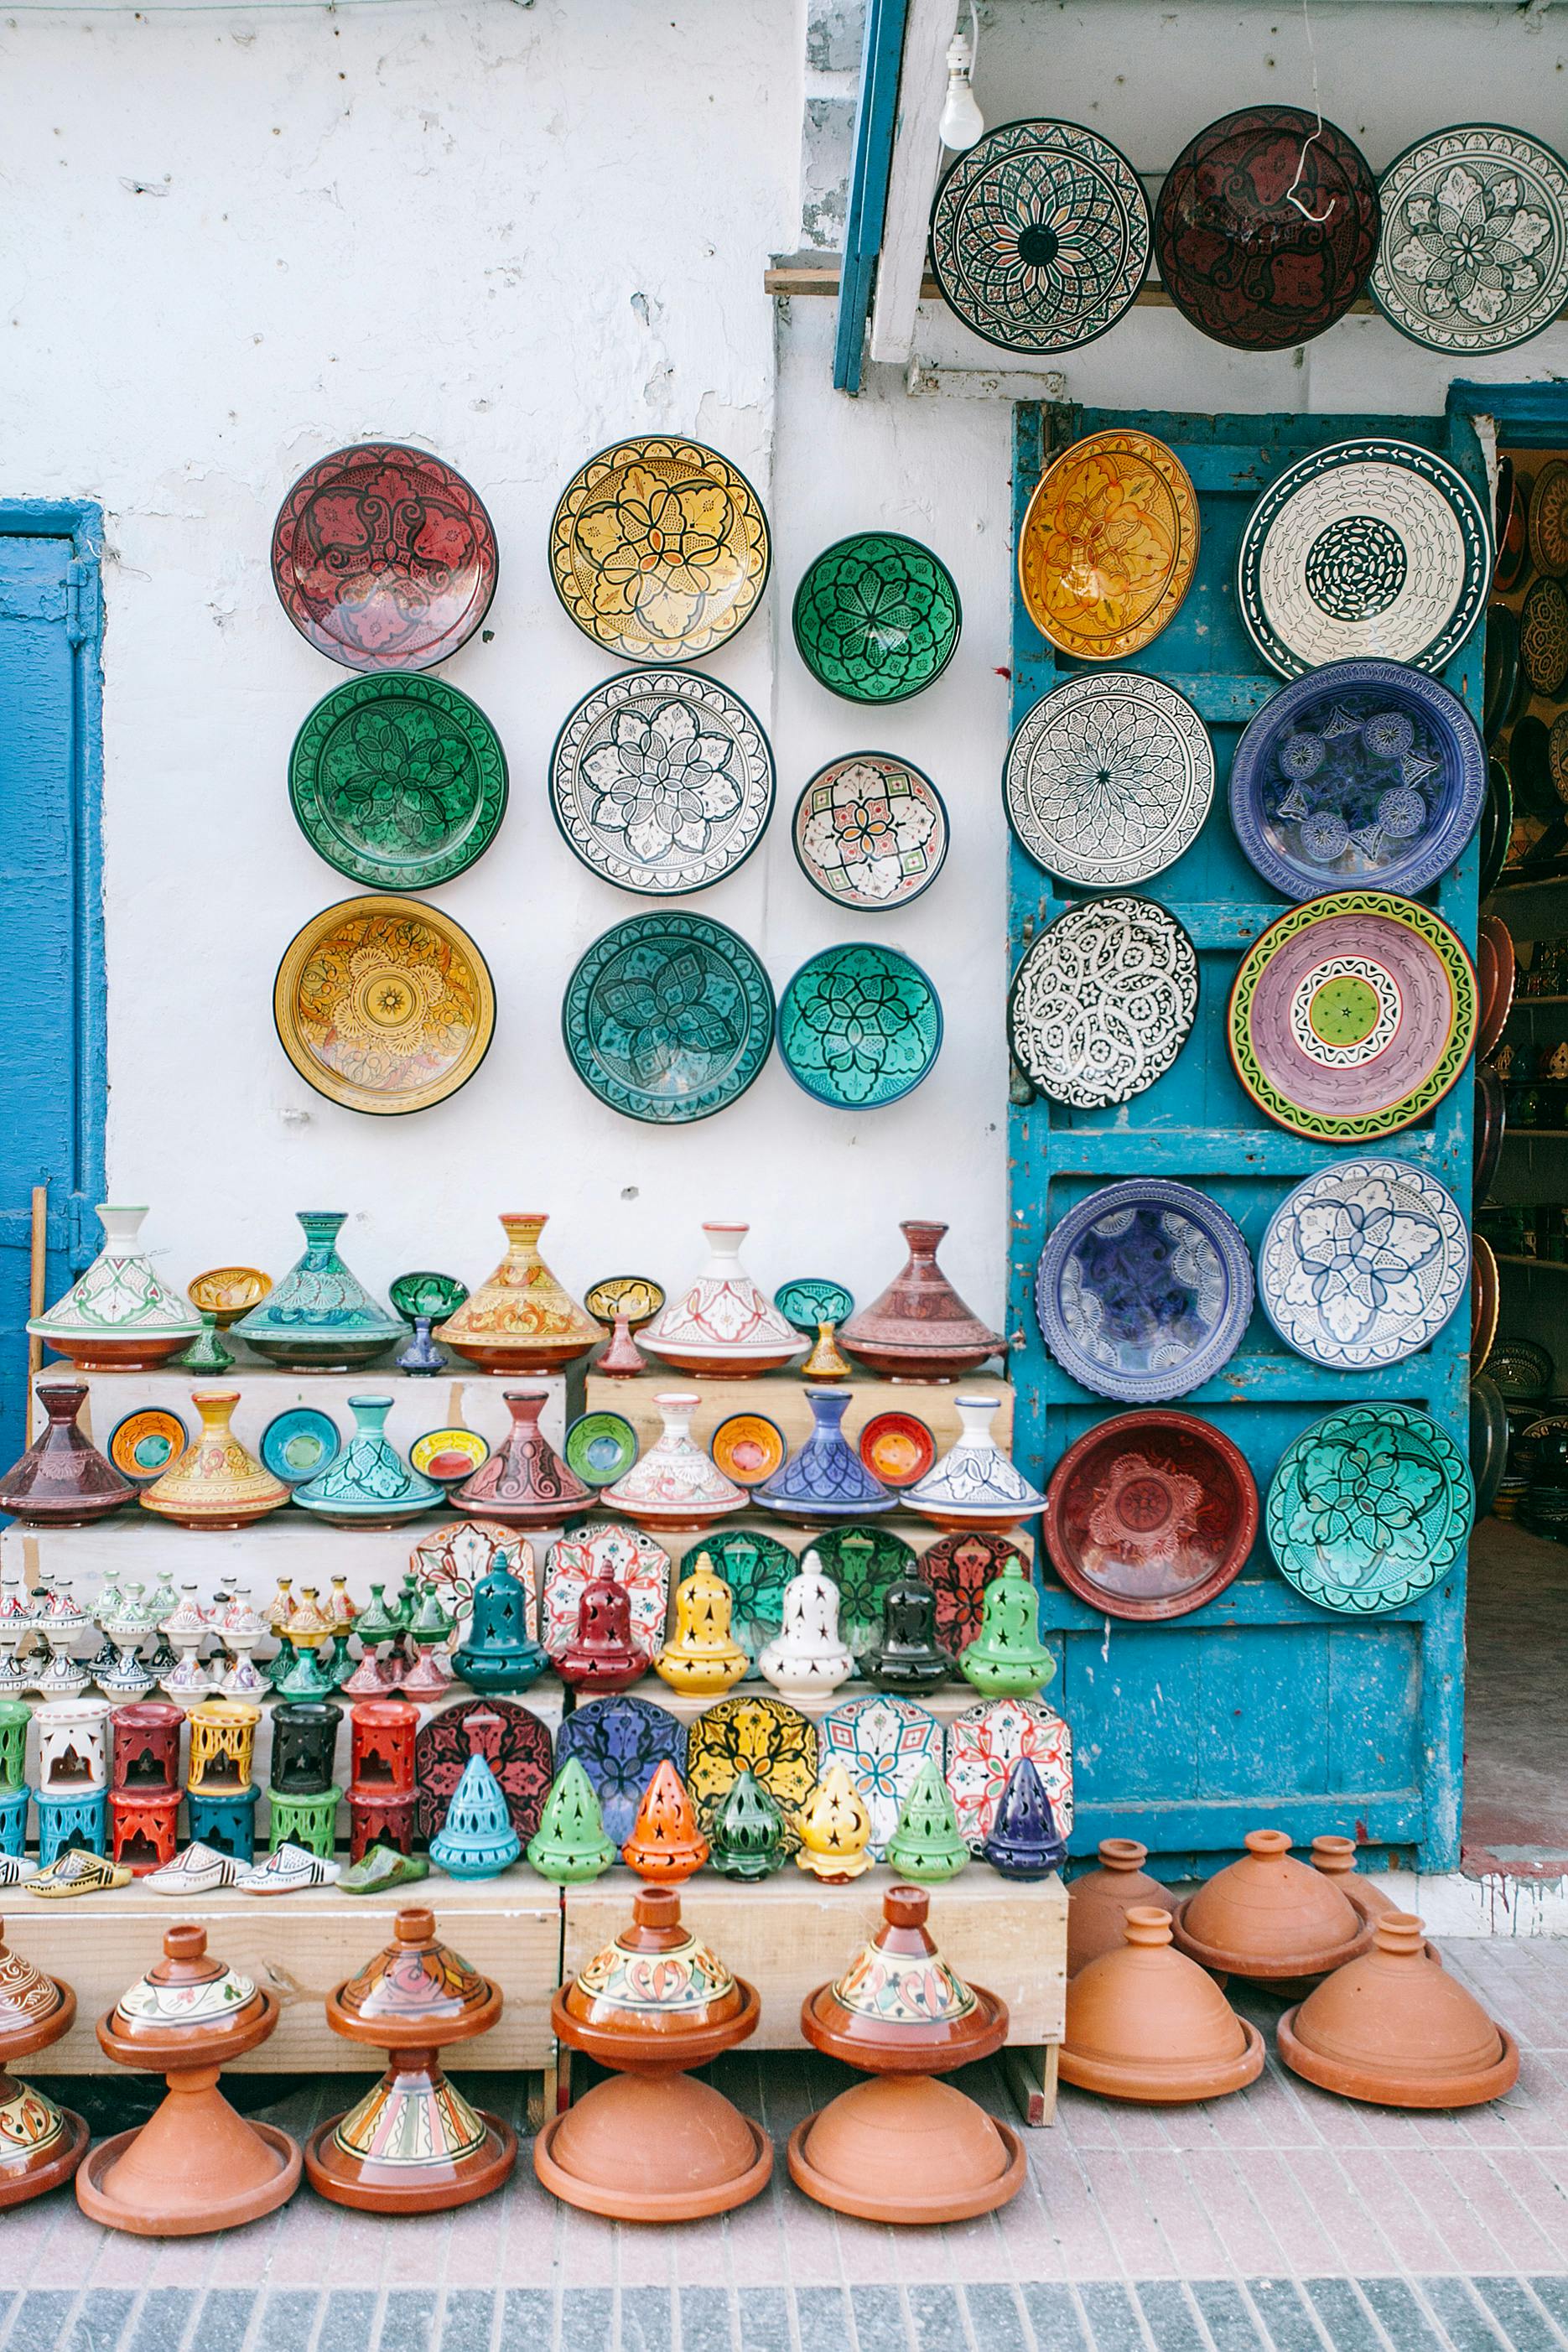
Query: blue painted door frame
{"points": [[51, 916]]}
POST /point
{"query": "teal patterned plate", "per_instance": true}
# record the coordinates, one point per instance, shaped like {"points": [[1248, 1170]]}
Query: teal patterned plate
{"points": [[436, 1295], [859, 1027], [813, 1299], [398, 780], [877, 617], [601, 1447], [1369, 1508], [669, 1018]]}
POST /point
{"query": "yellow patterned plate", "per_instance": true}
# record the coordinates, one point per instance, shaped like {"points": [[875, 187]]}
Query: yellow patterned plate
{"points": [[449, 1454], [659, 549], [227, 1292], [636, 1295], [1109, 546], [383, 1005]]}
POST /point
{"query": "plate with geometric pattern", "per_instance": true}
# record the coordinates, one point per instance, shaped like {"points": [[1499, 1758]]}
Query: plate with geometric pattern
{"points": [[1473, 251], [1108, 779], [668, 1017], [1103, 1002]]}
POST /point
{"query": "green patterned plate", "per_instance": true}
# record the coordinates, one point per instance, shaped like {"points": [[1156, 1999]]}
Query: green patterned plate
{"points": [[756, 1567], [669, 1018], [436, 1295], [398, 780], [601, 1447], [812, 1299], [859, 1027], [1369, 1508], [862, 1562], [877, 617]]}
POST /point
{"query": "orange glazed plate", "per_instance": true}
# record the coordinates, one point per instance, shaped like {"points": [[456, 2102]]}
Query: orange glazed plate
{"points": [[384, 1004], [1109, 546], [748, 1448]]}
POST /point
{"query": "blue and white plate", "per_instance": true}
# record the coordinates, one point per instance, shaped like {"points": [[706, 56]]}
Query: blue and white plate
{"points": [[1363, 1263], [300, 1444], [1144, 1290], [1364, 771]]}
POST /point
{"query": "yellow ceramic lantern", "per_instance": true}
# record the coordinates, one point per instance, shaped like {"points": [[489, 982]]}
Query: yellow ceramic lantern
{"points": [[835, 1831], [215, 1483], [223, 1744], [702, 1656], [520, 1319]]}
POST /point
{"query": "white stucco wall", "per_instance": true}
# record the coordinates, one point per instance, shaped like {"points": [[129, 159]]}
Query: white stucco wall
{"points": [[234, 240]]}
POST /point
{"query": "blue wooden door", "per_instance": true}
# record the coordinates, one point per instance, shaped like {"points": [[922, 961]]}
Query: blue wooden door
{"points": [[1258, 1709], [50, 916]]}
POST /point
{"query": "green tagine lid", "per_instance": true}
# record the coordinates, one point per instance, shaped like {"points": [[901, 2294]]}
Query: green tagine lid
{"points": [[320, 1316]]}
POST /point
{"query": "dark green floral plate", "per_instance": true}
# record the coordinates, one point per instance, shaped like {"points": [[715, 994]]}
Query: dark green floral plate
{"points": [[399, 782], [436, 1295], [669, 1018], [1369, 1508], [877, 617], [859, 1027]]}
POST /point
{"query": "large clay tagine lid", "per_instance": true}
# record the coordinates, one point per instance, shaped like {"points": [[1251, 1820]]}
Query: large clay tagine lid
{"points": [[906, 2151], [656, 1996], [34, 2009], [1268, 1917], [920, 1316], [416, 1994], [1097, 1904], [899, 2009], [189, 2009], [1395, 2029], [1145, 2023]]}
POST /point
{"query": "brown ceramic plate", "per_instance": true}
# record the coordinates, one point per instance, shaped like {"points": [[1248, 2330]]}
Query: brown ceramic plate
{"points": [[1491, 1125], [1483, 1302], [1498, 971], [1149, 1514]]}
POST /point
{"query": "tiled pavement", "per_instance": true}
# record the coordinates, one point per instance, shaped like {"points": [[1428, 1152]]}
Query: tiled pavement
{"points": [[1281, 2221]]}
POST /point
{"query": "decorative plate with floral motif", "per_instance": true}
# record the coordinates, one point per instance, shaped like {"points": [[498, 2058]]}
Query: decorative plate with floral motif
{"points": [[632, 1559], [1102, 1001], [659, 549], [1108, 778], [621, 1741], [1473, 251], [870, 832], [383, 1005], [766, 1736], [984, 1743], [520, 1761], [957, 1568], [1363, 1263], [400, 782], [862, 1561], [669, 1018], [1144, 1289], [877, 617], [1109, 546], [454, 1557], [859, 1027], [881, 1743], [1369, 1508], [1543, 636]]}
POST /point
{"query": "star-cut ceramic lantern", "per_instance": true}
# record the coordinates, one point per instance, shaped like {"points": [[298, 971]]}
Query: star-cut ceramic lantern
{"points": [[665, 1842], [41, 2144]]}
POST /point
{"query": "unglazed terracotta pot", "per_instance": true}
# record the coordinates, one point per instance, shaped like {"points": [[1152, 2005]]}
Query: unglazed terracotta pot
{"points": [[724, 1327], [1145, 2023], [1396, 2030], [118, 1317], [215, 1483], [1098, 1903], [919, 1329], [1268, 1917], [524, 1483], [62, 1480], [41, 2144], [520, 1319]]}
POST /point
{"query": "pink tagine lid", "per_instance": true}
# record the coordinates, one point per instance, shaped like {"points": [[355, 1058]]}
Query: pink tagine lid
{"points": [[724, 1317]]}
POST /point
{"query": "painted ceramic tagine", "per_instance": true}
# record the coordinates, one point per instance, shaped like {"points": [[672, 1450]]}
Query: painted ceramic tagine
{"points": [[369, 1484], [653, 2144], [1270, 1918], [903, 2147], [1143, 2022], [1097, 1904], [321, 1317], [808, 1654], [1395, 2029], [62, 1480], [215, 1483], [675, 1487], [118, 1317], [413, 2145], [519, 1319], [827, 1478], [41, 2144], [196, 2166], [524, 1484], [724, 1327], [919, 1329], [974, 1485]]}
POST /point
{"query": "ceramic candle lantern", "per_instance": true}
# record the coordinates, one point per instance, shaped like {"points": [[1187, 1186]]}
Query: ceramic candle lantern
{"points": [[927, 1844], [476, 1839], [520, 1319], [570, 1845], [826, 1480], [808, 1654], [1144, 2022], [524, 1483], [223, 1746], [653, 2144], [1272, 1918], [748, 1831], [674, 1488], [834, 1828], [196, 2166], [1007, 1658], [900, 2015], [501, 1653], [919, 1329], [146, 1744], [119, 1317], [15, 1718], [701, 1657], [413, 2145], [215, 1483], [368, 1484], [603, 1656], [73, 1746], [666, 1843], [381, 1736], [908, 1656], [1393, 2028], [62, 1480], [41, 2144], [1024, 1841], [724, 1327], [304, 1741], [142, 1823], [321, 1317], [1098, 1903], [974, 1485]]}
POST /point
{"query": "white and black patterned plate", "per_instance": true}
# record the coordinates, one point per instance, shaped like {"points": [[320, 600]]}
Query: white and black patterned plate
{"points": [[1473, 252], [1368, 547], [662, 780], [1039, 237], [1108, 778], [1103, 1002]]}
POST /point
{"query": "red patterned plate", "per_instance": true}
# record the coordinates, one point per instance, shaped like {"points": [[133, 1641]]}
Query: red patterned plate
{"points": [[519, 1756], [897, 1447], [958, 1571], [384, 557], [1497, 969], [1149, 1514]]}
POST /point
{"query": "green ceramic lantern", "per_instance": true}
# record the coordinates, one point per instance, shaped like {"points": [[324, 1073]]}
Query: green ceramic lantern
{"points": [[748, 1839], [15, 1715], [570, 1845], [926, 1845], [1007, 1659]]}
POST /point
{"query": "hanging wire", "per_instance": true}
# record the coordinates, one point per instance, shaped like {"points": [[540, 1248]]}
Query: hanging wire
{"points": [[1319, 220]]}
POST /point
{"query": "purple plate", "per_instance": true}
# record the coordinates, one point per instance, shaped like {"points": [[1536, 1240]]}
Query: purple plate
{"points": [[1144, 1290]]}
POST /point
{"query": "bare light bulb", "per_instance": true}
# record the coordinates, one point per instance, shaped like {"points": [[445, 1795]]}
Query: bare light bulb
{"points": [[961, 120]]}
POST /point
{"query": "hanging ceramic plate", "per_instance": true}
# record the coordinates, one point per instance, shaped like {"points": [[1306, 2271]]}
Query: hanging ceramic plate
{"points": [[143, 1444], [1144, 1290], [958, 1567], [1109, 545], [1473, 252], [669, 1018], [882, 1743], [813, 1299], [448, 1455], [1491, 1126], [435, 1295], [985, 1742], [756, 1567], [1557, 754], [659, 549], [748, 1448], [384, 558], [877, 617], [633, 1558], [1499, 968], [859, 1027], [383, 1005], [1543, 636], [863, 1562], [519, 1756], [1523, 1370], [870, 832], [400, 782], [1039, 237], [1530, 767], [227, 1292], [457, 1555], [1369, 1508], [1485, 1299], [898, 1448], [1501, 670], [1363, 1263], [1103, 1002], [1548, 520], [1266, 227], [662, 782], [620, 1742], [1108, 779], [1490, 1438], [1497, 826], [1151, 1515], [601, 1447], [766, 1736], [1351, 1015], [1371, 547], [297, 1443], [1365, 772], [1511, 527], [635, 1296]]}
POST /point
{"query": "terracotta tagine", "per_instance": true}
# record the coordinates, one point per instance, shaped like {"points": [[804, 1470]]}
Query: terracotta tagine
{"points": [[927, 1845], [973, 1485], [834, 1827], [62, 1480], [1024, 1841], [903, 2147], [118, 1317], [674, 1488], [602, 1656], [748, 1840], [368, 1484], [524, 1483], [907, 1655], [1007, 1658], [1335, 1857], [701, 1658], [1395, 2029], [666, 1843], [808, 1654], [653, 2144], [41, 2144], [570, 1845], [519, 1319], [1097, 1904], [919, 1329], [413, 2145], [215, 1483], [196, 2166], [724, 1327], [321, 1317], [1270, 1918], [1144, 2022]]}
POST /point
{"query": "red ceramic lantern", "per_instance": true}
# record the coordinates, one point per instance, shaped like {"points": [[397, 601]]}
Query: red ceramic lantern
{"points": [[602, 1656], [382, 1736]]}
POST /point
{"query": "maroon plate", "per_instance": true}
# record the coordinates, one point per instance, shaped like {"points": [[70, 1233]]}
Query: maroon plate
{"points": [[1510, 521], [1149, 1514], [384, 557], [1491, 1126], [1265, 228], [519, 1758], [1497, 971], [958, 1571], [897, 1447]]}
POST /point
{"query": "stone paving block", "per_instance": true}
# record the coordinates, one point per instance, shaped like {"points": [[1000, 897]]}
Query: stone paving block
{"points": [[347, 2324], [936, 2324], [1112, 2319], [995, 2318], [467, 2321], [527, 2320], [99, 2320], [1284, 2313], [1527, 2328], [1464, 2323], [587, 2314], [1401, 2317], [1054, 2317], [1342, 2313], [644, 2319], [407, 2321], [223, 2319], [822, 2315], [878, 2320], [1230, 2322], [1554, 2293], [163, 2319], [1170, 2316], [289, 2320], [38, 2322], [764, 2320]]}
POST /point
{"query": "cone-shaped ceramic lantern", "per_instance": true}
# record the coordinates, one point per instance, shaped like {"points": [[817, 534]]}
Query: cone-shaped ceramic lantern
{"points": [[524, 1483], [1098, 1903], [321, 1317], [1271, 1918], [724, 1327], [476, 1839], [974, 1485], [369, 1484], [919, 1329], [1395, 2029], [674, 1486], [748, 1840], [903, 2147], [570, 1845], [62, 1480], [1024, 1839], [807, 1654], [40, 2144], [666, 1843], [196, 2166], [835, 1825], [826, 1480], [413, 2145], [1007, 1658], [927, 1845], [653, 2145], [602, 1656], [701, 1658], [519, 1319], [500, 1652], [118, 1317], [1144, 2022], [907, 1655], [215, 1483]]}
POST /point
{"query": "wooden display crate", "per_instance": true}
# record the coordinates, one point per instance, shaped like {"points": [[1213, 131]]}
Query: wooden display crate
{"points": [[780, 1397]]}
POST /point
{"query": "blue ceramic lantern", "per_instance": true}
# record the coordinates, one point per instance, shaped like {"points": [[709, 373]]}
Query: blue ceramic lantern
{"points": [[1025, 1841], [476, 1839]]}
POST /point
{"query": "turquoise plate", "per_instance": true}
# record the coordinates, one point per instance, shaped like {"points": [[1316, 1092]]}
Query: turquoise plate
{"points": [[601, 1447], [859, 1027], [300, 1443], [669, 1018], [1369, 1508], [813, 1300]]}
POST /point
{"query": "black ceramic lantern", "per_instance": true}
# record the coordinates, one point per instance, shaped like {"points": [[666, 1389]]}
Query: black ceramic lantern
{"points": [[908, 1656], [500, 1654], [304, 1738]]}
